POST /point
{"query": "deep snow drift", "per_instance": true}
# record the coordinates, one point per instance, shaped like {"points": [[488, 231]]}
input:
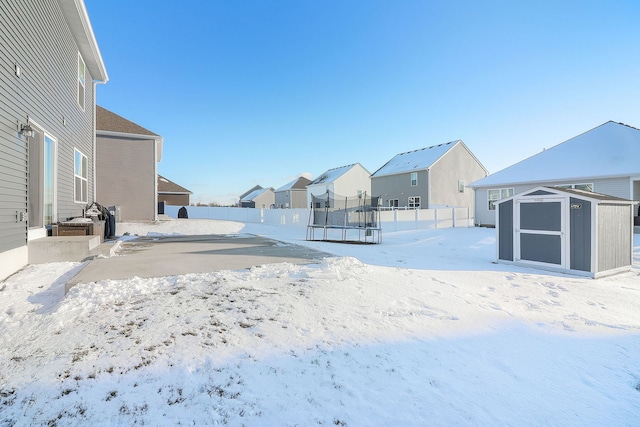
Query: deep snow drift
{"points": [[421, 330]]}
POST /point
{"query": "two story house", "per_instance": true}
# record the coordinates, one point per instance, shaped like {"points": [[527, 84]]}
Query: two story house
{"points": [[47, 125]]}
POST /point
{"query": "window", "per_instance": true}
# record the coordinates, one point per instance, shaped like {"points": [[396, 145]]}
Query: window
{"points": [[414, 202], [392, 203], [81, 183], [496, 194], [461, 186], [414, 179], [585, 187], [81, 81]]}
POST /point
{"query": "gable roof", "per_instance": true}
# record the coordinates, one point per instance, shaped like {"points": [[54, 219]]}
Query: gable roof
{"points": [[111, 122], [246, 193], [299, 183], [415, 160], [254, 194], [332, 174], [607, 151], [167, 186]]}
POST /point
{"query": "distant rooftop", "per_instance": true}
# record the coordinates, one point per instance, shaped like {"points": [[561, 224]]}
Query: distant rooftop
{"points": [[168, 186], [111, 122], [299, 183], [333, 174], [414, 160]]}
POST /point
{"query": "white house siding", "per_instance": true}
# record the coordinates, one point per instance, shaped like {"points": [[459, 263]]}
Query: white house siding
{"points": [[124, 164], [36, 38]]}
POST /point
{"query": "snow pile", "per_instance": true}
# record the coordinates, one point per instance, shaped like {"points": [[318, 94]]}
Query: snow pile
{"points": [[421, 330]]}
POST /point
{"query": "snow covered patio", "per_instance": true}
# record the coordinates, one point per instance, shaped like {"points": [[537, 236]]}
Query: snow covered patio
{"points": [[423, 329]]}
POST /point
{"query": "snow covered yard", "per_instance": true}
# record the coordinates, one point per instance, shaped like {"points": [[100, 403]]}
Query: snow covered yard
{"points": [[421, 330]]}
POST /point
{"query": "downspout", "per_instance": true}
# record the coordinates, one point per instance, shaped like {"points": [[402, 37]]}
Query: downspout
{"points": [[95, 130]]}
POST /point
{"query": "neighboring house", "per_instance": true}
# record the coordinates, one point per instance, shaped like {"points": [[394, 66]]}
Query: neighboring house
{"points": [[348, 181], [428, 178], [293, 194], [127, 157], [50, 67], [603, 160], [171, 193], [246, 193], [262, 198]]}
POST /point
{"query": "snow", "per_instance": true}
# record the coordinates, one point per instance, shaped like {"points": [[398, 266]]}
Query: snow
{"points": [[414, 160], [423, 329], [607, 151]]}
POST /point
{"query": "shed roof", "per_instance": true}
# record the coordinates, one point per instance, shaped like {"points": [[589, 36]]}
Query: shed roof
{"points": [[111, 122], [168, 186], [415, 160], [299, 183], [333, 174], [580, 194], [609, 150]]}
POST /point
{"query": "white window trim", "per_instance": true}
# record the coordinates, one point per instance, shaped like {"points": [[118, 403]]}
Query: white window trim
{"points": [[491, 202], [82, 178], [415, 205], [414, 174], [573, 186]]}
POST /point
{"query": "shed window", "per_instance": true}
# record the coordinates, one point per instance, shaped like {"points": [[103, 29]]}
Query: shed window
{"points": [[81, 81], [414, 202], [585, 187], [414, 179], [496, 194], [81, 183]]}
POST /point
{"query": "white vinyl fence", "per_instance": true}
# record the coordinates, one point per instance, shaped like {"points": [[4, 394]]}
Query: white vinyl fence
{"points": [[396, 220]]}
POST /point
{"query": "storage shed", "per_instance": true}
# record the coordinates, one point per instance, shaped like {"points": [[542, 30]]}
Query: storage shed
{"points": [[566, 230]]}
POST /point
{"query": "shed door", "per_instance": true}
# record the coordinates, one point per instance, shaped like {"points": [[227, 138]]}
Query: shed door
{"points": [[539, 236]]}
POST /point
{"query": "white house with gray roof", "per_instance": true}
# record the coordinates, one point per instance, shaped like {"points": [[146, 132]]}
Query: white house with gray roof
{"points": [[605, 160], [431, 177], [349, 180]]}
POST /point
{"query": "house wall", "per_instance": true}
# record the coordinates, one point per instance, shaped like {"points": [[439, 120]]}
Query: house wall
{"points": [[126, 176], [456, 165], [294, 198], [318, 190], [174, 199], [355, 179], [399, 187], [265, 200], [36, 38], [618, 187]]}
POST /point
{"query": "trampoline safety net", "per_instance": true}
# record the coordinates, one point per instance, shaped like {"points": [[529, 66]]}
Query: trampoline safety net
{"points": [[333, 211]]}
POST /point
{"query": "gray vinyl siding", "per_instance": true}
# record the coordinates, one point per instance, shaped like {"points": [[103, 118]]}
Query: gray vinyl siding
{"points": [[505, 236], [36, 37], [614, 236], [399, 187]]}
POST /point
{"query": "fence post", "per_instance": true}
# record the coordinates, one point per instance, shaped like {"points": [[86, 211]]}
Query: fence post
{"points": [[453, 217], [436, 217]]}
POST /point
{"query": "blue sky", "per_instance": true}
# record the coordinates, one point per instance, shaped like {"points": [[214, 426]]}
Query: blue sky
{"points": [[250, 92]]}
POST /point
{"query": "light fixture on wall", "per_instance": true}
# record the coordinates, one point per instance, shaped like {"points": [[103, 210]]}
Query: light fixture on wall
{"points": [[27, 130]]}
